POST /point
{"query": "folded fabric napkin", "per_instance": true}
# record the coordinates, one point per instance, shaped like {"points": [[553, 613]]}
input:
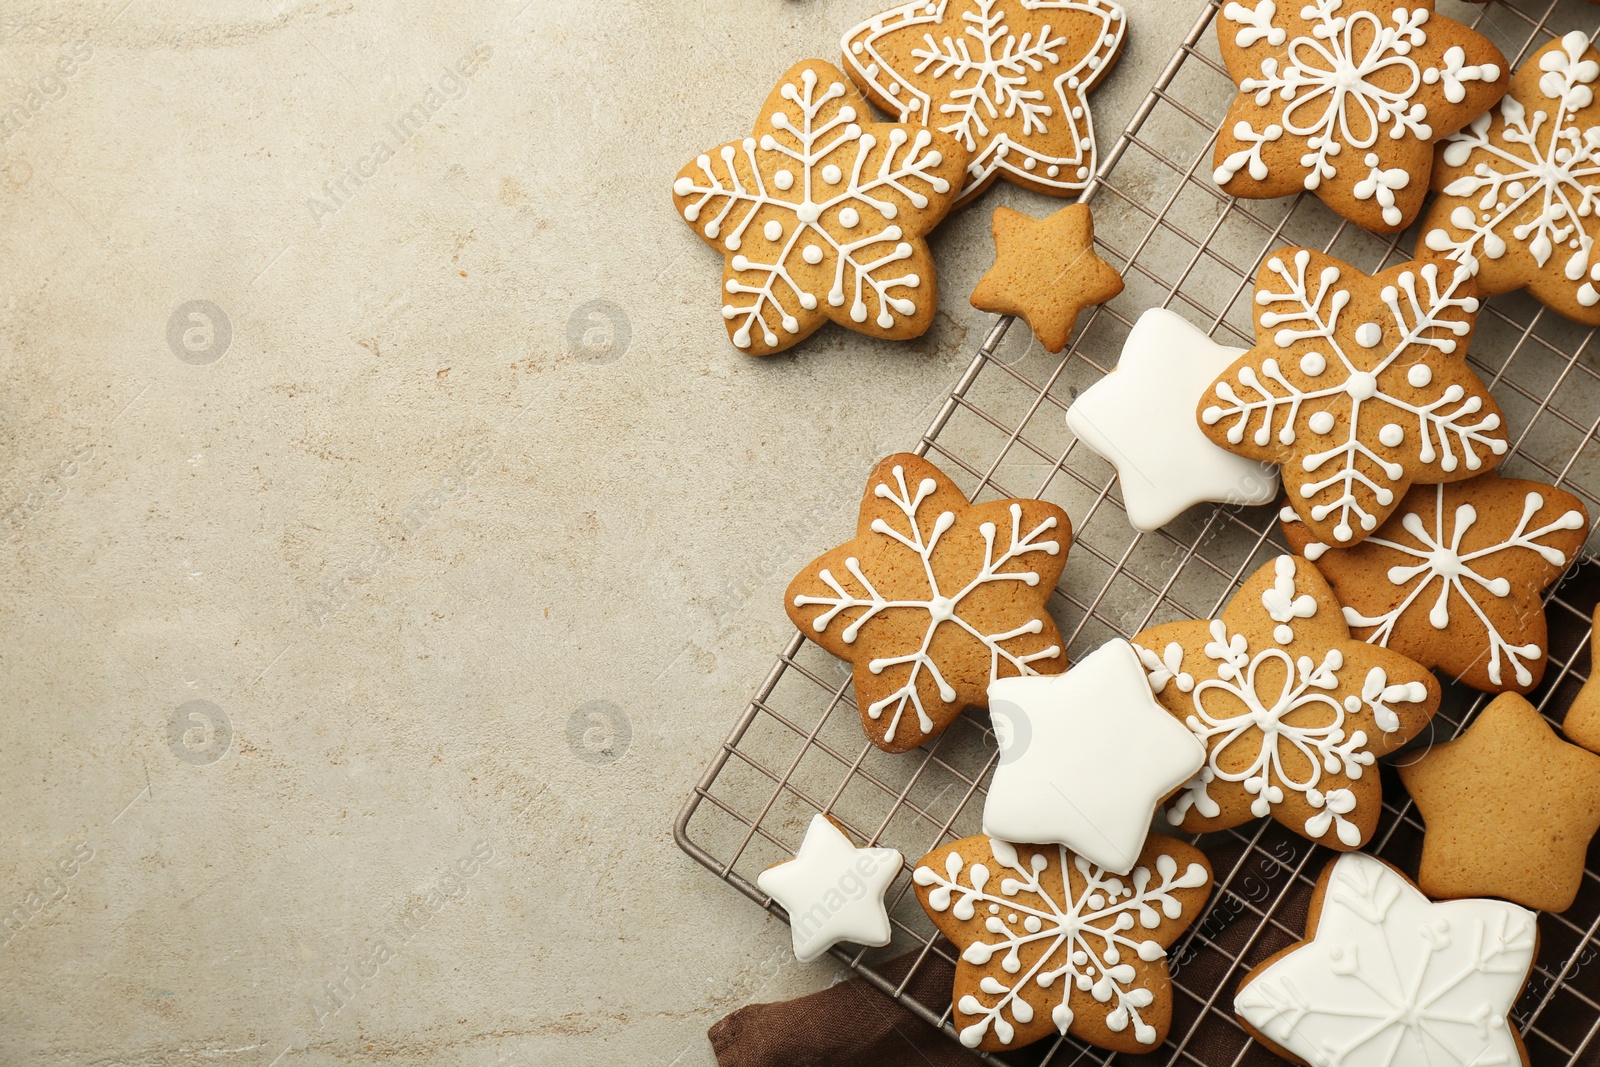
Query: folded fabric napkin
{"points": [[845, 1025]]}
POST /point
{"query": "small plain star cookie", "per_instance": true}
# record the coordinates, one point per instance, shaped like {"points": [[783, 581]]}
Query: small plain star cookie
{"points": [[934, 599], [1510, 809], [1047, 271], [820, 215]]}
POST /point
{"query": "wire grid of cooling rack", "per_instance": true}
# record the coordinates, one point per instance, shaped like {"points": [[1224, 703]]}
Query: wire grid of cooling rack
{"points": [[1181, 243]]}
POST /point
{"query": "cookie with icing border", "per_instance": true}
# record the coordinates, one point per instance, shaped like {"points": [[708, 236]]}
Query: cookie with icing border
{"points": [[934, 599], [820, 215], [1519, 188], [1357, 387], [1051, 944], [1387, 977], [1454, 577], [1008, 78], [1292, 709], [1047, 271], [1582, 724], [1509, 809], [1345, 98]]}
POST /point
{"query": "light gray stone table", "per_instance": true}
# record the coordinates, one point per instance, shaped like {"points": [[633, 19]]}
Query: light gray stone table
{"points": [[305, 584]]}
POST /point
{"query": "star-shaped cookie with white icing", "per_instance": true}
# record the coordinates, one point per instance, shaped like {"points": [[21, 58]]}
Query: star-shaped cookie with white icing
{"points": [[1085, 758], [1346, 98], [1008, 78], [1140, 419], [1387, 977], [832, 890]]}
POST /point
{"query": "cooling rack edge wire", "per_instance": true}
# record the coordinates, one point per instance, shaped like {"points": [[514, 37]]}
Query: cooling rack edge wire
{"points": [[1263, 876]]}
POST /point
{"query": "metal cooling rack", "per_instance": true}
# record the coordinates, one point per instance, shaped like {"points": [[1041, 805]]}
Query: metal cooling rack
{"points": [[1181, 243]]}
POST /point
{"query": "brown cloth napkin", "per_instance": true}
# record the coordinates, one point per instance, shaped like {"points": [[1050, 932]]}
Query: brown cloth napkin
{"points": [[845, 1025]]}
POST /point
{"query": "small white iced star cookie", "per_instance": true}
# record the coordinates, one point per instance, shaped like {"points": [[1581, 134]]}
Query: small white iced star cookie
{"points": [[1387, 977], [1086, 757], [832, 890], [1140, 419]]}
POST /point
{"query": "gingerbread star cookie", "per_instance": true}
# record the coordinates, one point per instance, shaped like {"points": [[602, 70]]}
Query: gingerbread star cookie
{"points": [[1346, 98], [820, 214], [1453, 578], [1051, 944], [1388, 978], [1510, 809], [934, 599], [1292, 709], [1519, 187], [1046, 270], [1582, 723], [1008, 78], [1357, 387]]}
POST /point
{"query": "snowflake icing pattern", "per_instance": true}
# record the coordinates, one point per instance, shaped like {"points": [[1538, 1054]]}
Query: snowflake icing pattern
{"points": [[866, 598], [1272, 721], [1062, 930], [821, 215], [1521, 185], [1321, 384], [1355, 88], [1007, 78], [1394, 978], [1437, 522]]}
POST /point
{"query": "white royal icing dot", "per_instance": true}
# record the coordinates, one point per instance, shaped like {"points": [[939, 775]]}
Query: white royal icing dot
{"points": [[784, 179], [1419, 375], [1392, 435], [849, 217], [773, 230], [1313, 363], [811, 254], [831, 175], [1052, 170], [1368, 334], [1321, 422], [1361, 386]]}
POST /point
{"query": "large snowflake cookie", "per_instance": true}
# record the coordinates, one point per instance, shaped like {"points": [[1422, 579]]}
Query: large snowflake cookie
{"points": [[1292, 709], [1346, 98], [934, 599], [1388, 978], [820, 214], [1008, 78], [1520, 187], [1357, 387], [1052, 944], [1453, 579]]}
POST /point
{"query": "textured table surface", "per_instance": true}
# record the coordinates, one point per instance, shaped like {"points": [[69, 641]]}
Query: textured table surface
{"points": [[391, 533]]}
